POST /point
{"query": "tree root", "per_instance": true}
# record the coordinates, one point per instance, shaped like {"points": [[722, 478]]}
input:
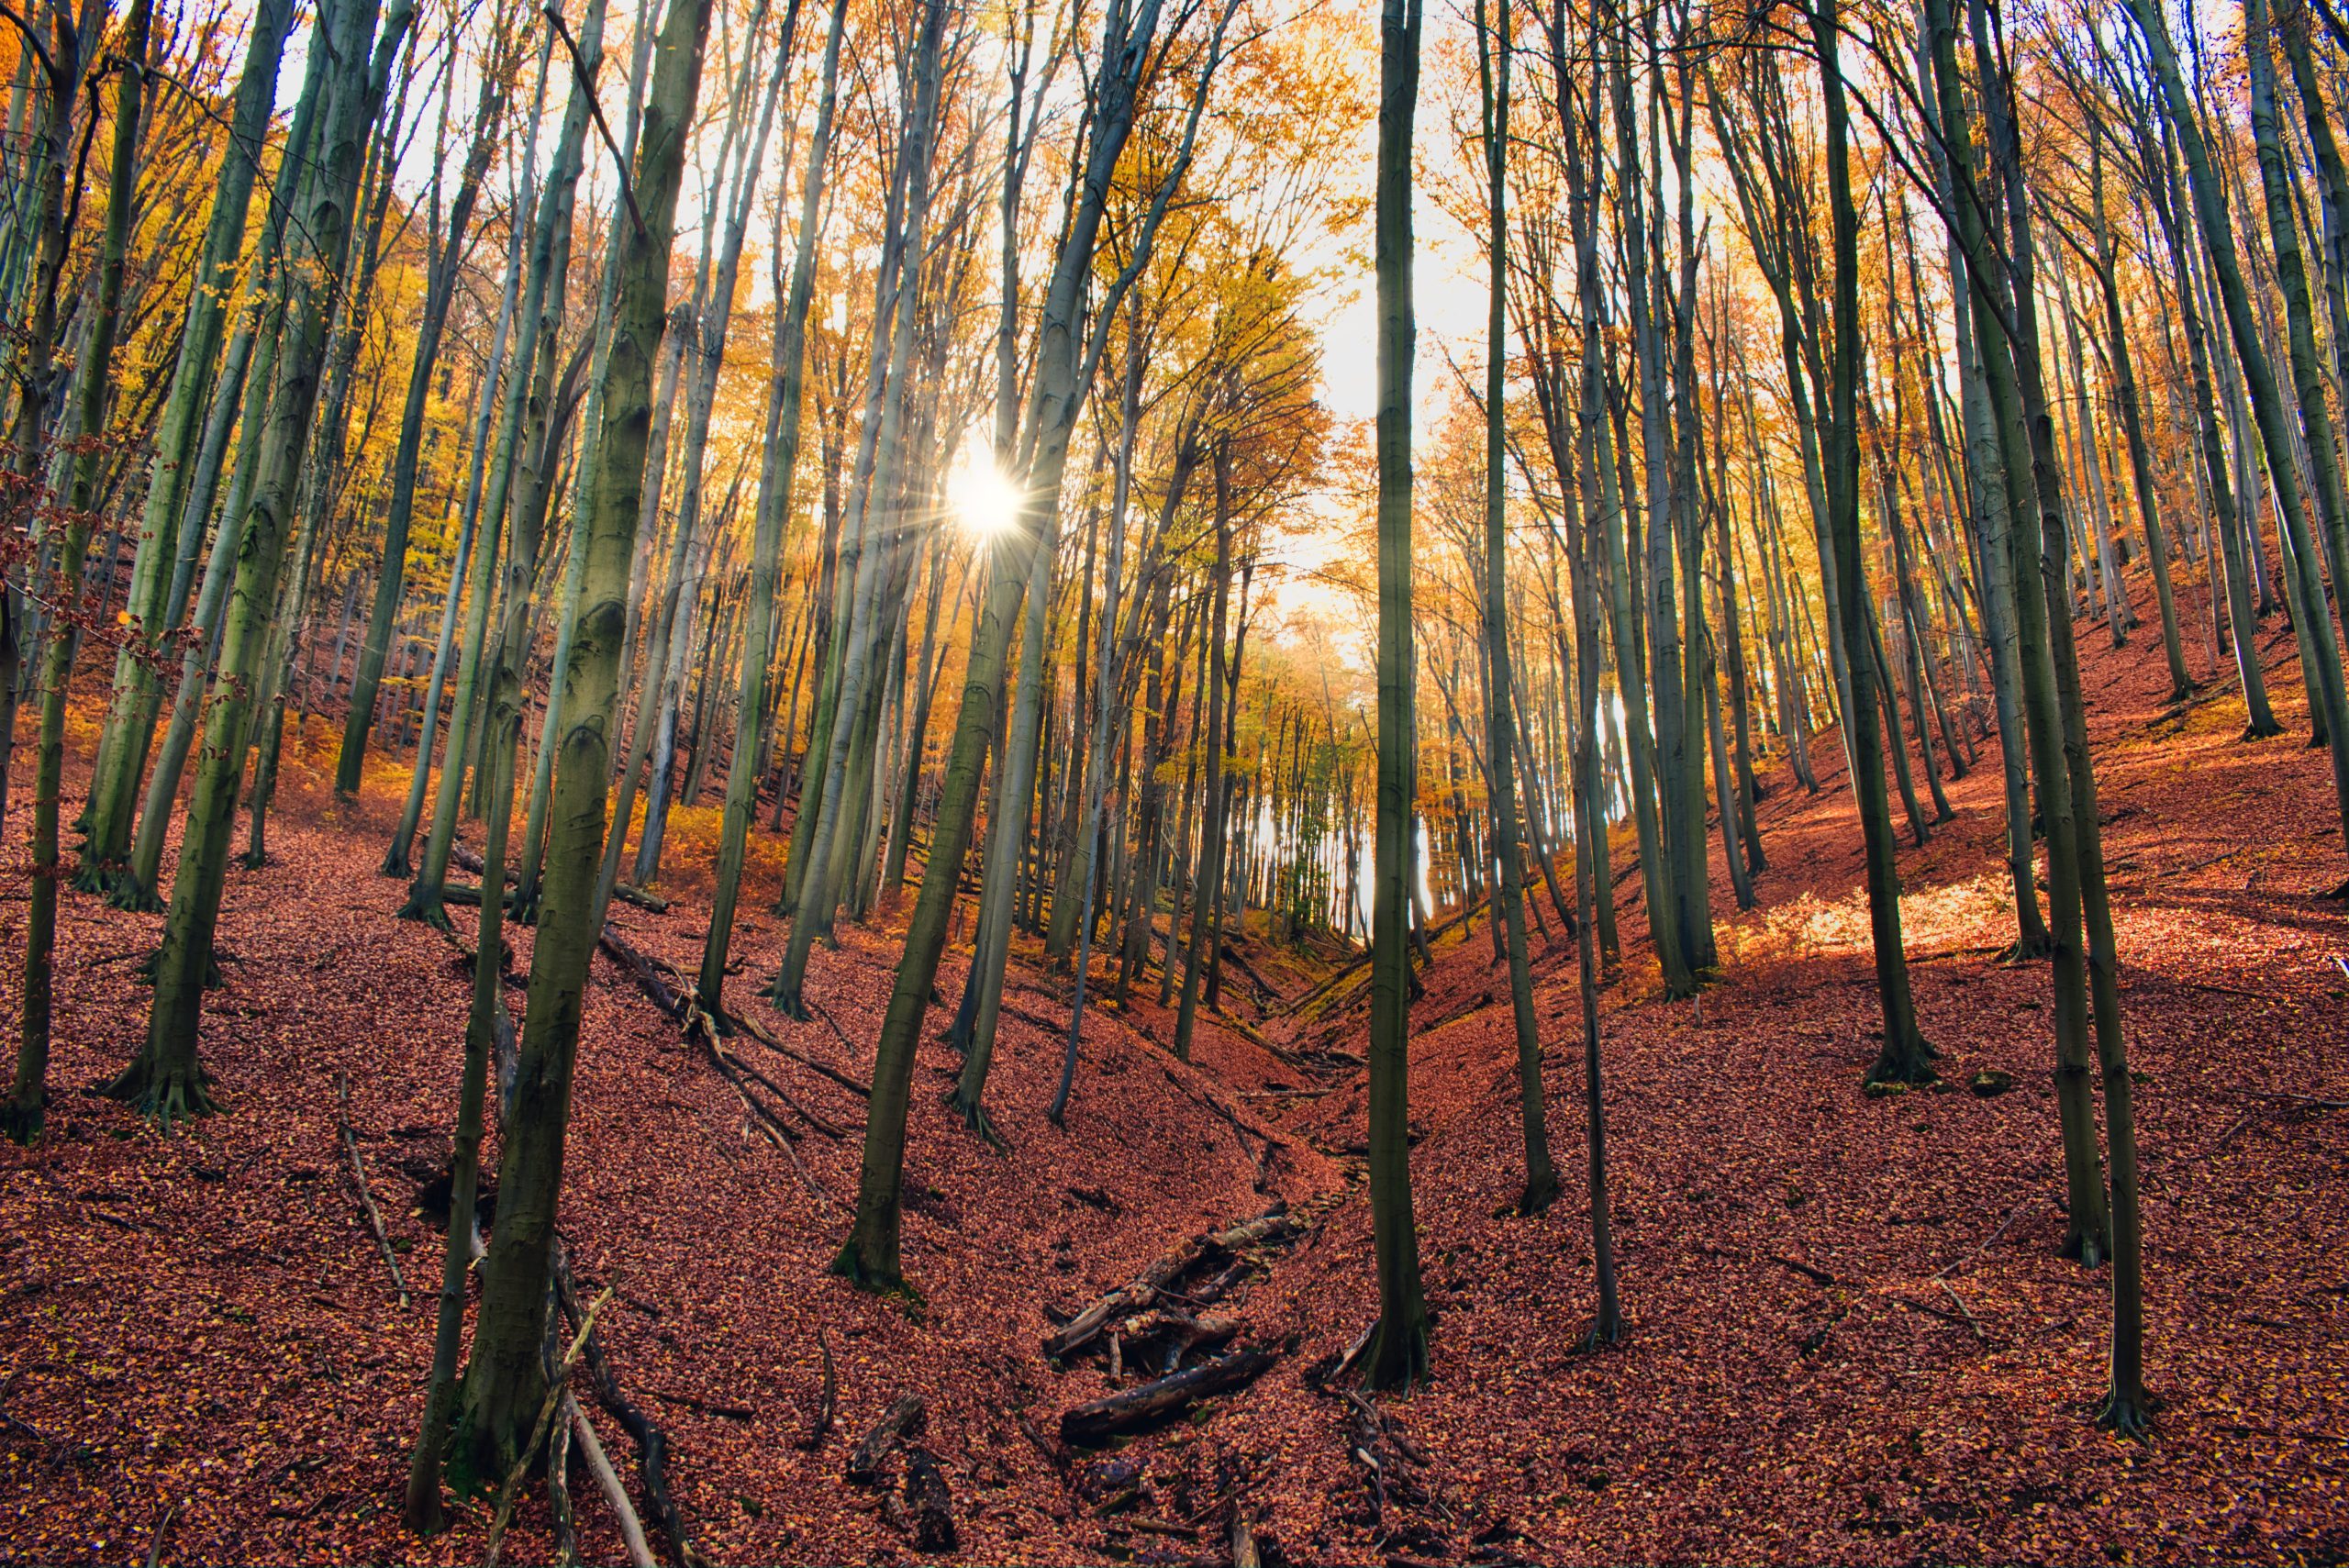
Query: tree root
{"points": [[974, 1116], [163, 1095], [426, 905], [2084, 1247], [2127, 1417], [23, 1123], [848, 1264], [1395, 1361], [125, 890], [1598, 1339], [787, 1001], [1537, 1197], [1901, 1065]]}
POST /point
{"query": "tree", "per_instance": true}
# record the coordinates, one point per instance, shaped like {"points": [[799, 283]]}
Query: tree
{"points": [[1067, 357], [391, 583], [165, 1080], [789, 380], [1904, 1057], [22, 1115], [505, 1379], [1399, 1351], [1494, 48], [157, 593], [542, 313], [2327, 700]]}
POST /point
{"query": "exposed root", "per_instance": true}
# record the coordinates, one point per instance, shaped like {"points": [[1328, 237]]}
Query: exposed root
{"points": [[2129, 1416], [786, 1000], [1396, 1362], [1901, 1065], [163, 1095], [2084, 1247], [424, 904], [23, 1122], [125, 890], [974, 1116], [887, 1283], [1601, 1337]]}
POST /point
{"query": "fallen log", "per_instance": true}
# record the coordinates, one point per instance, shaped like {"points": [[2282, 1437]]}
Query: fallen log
{"points": [[1179, 1333], [358, 1179], [607, 1483], [640, 899], [1127, 1298], [768, 1125], [644, 972], [539, 1430], [928, 1506], [1213, 1291], [652, 1443], [727, 1061], [1269, 1225], [827, 1398], [558, 1473], [903, 1418], [1096, 1422], [1210, 1329], [1264, 988], [751, 1027], [1143, 1290], [1816, 1276]]}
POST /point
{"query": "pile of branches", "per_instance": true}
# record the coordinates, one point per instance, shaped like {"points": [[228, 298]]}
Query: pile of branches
{"points": [[1149, 1327]]}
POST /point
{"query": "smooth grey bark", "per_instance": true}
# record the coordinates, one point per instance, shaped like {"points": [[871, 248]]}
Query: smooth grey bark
{"points": [[1397, 1356]]}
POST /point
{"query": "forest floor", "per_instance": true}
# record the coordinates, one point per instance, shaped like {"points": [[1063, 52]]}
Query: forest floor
{"points": [[1850, 1339]]}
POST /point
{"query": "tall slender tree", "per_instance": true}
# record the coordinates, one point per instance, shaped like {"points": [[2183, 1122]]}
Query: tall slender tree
{"points": [[1399, 1351]]}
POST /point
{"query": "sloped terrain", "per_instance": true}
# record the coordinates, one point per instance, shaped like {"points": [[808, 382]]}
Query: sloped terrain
{"points": [[1850, 1339]]}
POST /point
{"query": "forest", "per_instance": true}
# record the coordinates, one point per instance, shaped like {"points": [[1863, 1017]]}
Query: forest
{"points": [[1178, 782]]}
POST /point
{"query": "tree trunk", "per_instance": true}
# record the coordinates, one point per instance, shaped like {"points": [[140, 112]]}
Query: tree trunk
{"points": [[165, 1079], [153, 605], [505, 1381], [1399, 1352], [22, 1117]]}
